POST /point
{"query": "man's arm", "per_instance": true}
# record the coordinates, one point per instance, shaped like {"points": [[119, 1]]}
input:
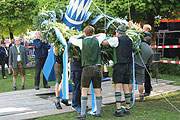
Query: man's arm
{"points": [[130, 23], [100, 37], [149, 62], [113, 42], [76, 42], [10, 58]]}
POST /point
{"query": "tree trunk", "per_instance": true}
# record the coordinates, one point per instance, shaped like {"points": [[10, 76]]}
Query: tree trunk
{"points": [[11, 34], [3, 39]]}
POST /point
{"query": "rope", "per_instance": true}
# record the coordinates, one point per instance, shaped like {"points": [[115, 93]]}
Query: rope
{"points": [[170, 103], [103, 14], [158, 92]]}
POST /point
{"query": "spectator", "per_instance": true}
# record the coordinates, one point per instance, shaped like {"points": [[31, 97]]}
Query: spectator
{"points": [[7, 58], [41, 52], [18, 60], [122, 67], [12, 43], [2, 59], [91, 62]]}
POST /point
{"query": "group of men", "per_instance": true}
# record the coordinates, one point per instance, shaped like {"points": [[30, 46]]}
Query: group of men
{"points": [[122, 69], [88, 68]]}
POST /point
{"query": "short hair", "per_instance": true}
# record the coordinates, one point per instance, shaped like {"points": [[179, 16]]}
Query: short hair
{"points": [[148, 26], [89, 30], [147, 39]]}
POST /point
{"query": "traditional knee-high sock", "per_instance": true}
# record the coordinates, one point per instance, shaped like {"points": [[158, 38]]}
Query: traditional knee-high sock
{"points": [[57, 99], [83, 105], [98, 104], [127, 98], [9, 71], [118, 97], [22, 83]]}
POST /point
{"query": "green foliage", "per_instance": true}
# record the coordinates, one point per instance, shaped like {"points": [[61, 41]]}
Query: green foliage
{"points": [[48, 30], [170, 69], [17, 15], [52, 4], [145, 10]]}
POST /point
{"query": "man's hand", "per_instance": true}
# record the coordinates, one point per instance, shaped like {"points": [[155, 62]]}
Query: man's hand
{"points": [[130, 23], [27, 64], [10, 66], [105, 42]]}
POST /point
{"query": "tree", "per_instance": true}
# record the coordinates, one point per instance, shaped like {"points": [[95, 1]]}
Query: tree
{"points": [[52, 4], [16, 16], [145, 10]]}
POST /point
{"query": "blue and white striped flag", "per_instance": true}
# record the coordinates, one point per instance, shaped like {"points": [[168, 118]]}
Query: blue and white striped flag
{"points": [[76, 13]]}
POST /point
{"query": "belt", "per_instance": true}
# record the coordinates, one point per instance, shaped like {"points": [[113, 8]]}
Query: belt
{"points": [[93, 66]]}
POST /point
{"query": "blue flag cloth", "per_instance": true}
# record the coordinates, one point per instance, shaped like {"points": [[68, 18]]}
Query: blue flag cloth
{"points": [[48, 69], [76, 13]]}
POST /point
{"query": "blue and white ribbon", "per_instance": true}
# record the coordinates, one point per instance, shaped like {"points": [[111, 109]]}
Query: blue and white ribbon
{"points": [[93, 96], [53, 15], [93, 22], [109, 23], [134, 81], [87, 16], [61, 14], [65, 64]]}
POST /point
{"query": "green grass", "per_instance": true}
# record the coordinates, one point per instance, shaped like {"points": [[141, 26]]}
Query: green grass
{"points": [[7, 84], [171, 78], [154, 108]]}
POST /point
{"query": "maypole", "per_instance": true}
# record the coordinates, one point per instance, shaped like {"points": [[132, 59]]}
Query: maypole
{"points": [[74, 17]]}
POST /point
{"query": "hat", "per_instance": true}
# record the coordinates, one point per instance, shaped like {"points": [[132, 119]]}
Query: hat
{"points": [[147, 34], [2, 42], [121, 28]]}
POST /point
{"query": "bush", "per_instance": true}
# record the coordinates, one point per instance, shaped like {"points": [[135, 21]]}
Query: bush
{"points": [[170, 69]]}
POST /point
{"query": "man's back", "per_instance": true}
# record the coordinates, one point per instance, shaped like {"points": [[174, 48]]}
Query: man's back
{"points": [[145, 56], [91, 54], [123, 51]]}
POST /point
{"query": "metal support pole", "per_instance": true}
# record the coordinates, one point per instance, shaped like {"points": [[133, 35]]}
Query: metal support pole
{"points": [[157, 73]]}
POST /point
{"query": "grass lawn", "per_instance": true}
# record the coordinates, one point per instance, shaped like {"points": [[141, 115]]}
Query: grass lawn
{"points": [[7, 84], [154, 108]]}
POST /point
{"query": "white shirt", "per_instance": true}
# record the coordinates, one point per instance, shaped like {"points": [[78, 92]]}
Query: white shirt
{"points": [[113, 41], [78, 42], [18, 57]]}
